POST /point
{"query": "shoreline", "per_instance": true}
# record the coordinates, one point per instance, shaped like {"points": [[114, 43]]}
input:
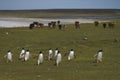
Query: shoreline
{"points": [[24, 22]]}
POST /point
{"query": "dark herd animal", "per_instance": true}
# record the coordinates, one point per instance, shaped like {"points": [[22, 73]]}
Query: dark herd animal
{"points": [[105, 24], [111, 25], [96, 23], [36, 24], [51, 25], [57, 24], [77, 24]]}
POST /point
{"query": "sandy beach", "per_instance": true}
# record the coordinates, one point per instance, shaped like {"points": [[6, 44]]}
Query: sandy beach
{"points": [[24, 22]]}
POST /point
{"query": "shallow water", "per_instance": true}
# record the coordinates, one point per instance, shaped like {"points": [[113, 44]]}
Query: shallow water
{"points": [[89, 17]]}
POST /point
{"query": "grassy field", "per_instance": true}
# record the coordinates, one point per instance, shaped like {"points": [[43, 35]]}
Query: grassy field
{"points": [[81, 68]]}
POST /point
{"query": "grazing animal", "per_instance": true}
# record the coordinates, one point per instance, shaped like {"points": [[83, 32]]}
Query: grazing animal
{"points": [[104, 25], [50, 54], [110, 24], [36, 24], [71, 55], [40, 58], [58, 58], [9, 56], [96, 23], [49, 25], [53, 24], [58, 22], [41, 25], [77, 24], [98, 56], [22, 54], [27, 55], [31, 26], [61, 26]]}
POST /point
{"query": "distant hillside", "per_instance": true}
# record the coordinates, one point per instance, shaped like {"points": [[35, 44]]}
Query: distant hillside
{"points": [[53, 13]]}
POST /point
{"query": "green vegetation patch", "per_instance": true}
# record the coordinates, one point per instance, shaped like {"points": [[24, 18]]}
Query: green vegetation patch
{"points": [[81, 68]]}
